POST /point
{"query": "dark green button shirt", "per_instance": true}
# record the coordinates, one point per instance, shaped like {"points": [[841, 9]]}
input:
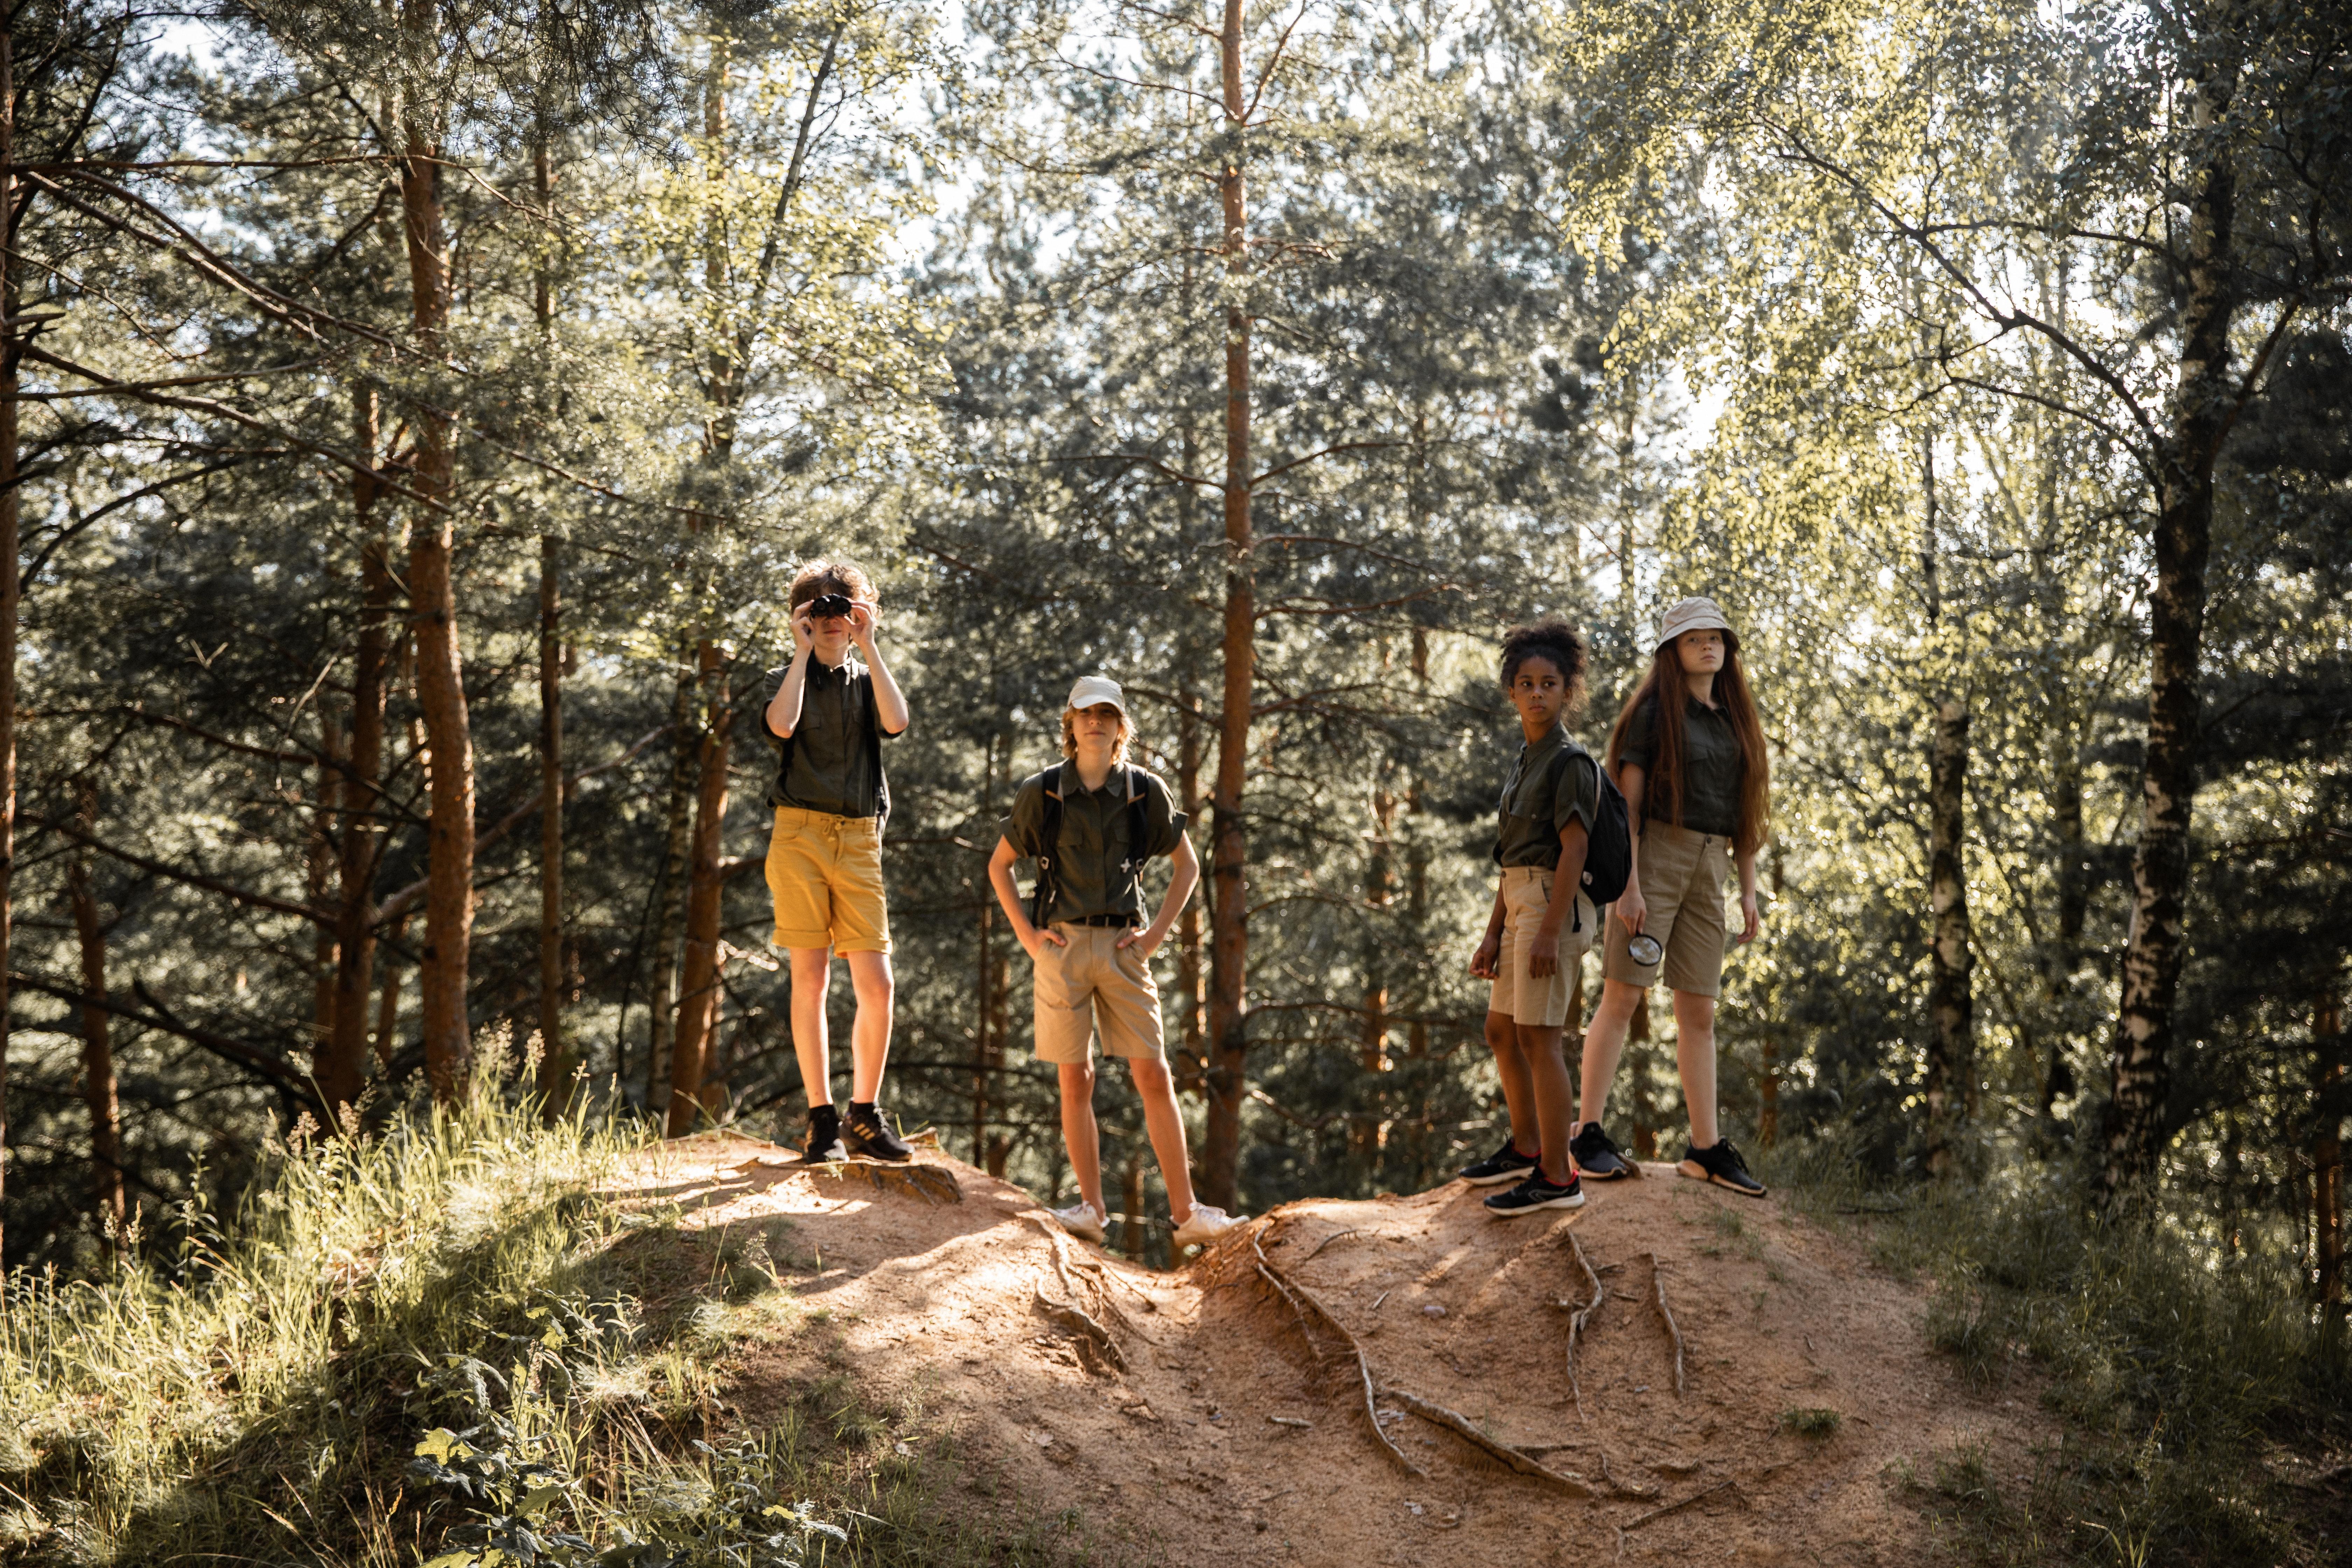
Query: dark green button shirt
{"points": [[1712, 767], [1541, 797], [831, 761], [1088, 879]]}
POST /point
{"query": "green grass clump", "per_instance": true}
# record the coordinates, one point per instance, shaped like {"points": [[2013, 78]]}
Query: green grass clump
{"points": [[2184, 1377], [458, 1336], [1812, 1421]]}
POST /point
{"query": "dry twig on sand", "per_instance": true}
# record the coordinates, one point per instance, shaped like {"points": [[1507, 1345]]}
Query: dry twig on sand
{"points": [[1303, 1302], [1581, 1315], [1076, 1318], [1639, 1521], [1658, 1293], [1462, 1427], [1327, 1241]]}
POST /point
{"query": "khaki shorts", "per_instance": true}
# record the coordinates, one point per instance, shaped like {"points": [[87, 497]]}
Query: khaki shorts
{"points": [[1095, 981], [1518, 994], [824, 873], [1683, 875]]}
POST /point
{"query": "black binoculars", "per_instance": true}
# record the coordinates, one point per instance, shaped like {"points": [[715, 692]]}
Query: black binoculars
{"points": [[825, 605]]}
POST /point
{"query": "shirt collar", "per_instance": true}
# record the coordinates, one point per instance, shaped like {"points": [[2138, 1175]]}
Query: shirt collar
{"points": [[1549, 742]]}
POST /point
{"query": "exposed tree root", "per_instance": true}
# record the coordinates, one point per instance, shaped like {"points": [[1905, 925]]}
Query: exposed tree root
{"points": [[1638, 1521], [1578, 1318], [1303, 1302], [1090, 1333], [1463, 1427], [1658, 1284], [1066, 1267], [1327, 1241]]}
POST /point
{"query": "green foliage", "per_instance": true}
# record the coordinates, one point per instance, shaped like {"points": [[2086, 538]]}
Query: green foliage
{"points": [[1811, 1421]]}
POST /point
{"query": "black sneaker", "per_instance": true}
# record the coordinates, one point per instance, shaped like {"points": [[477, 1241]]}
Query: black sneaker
{"points": [[1597, 1157], [867, 1133], [1535, 1194], [1504, 1164], [823, 1137], [1721, 1165]]}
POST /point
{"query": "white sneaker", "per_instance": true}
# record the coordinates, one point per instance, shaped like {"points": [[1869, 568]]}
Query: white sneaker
{"points": [[1084, 1220], [1206, 1223]]}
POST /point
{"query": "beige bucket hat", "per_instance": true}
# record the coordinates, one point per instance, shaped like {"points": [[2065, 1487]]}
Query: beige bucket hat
{"points": [[1693, 615]]}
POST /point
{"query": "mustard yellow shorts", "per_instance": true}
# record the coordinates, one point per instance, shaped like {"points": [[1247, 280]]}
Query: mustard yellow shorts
{"points": [[1095, 984], [1518, 994], [1683, 875], [824, 873]]}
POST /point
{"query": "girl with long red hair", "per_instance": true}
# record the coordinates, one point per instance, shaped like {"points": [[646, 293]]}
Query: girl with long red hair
{"points": [[1688, 754]]}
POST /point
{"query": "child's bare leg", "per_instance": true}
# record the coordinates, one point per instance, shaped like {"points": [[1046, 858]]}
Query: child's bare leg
{"points": [[1518, 1088], [812, 973], [1165, 1124], [869, 1037], [1694, 1054], [1554, 1105], [1078, 1131], [1604, 1042]]}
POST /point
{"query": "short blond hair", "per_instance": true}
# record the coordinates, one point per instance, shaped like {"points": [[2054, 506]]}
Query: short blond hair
{"points": [[1119, 748]]}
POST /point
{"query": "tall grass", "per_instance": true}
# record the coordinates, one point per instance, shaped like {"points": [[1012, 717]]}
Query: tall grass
{"points": [[462, 1333], [2185, 1377]]}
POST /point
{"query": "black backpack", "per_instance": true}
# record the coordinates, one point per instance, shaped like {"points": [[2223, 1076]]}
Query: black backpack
{"points": [[1609, 848], [1049, 835]]}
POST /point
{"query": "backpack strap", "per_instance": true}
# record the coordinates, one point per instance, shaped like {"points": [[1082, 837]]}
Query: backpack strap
{"points": [[1138, 850], [1568, 754], [1049, 843]]}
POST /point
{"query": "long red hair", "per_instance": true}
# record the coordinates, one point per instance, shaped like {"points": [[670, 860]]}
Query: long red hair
{"points": [[1662, 788]]}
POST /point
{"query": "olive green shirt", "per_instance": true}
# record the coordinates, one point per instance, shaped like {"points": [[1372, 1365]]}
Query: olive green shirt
{"points": [[1546, 792], [831, 762], [1090, 875], [1712, 767]]}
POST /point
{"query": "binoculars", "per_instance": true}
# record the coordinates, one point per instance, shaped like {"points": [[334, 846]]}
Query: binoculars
{"points": [[825, 605]]}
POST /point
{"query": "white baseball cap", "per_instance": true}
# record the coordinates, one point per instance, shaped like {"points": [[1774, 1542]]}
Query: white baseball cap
{"points": [[1093, 689]]}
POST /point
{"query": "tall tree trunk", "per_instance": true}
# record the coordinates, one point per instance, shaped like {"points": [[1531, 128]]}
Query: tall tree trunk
{"points": [[2328, 1159], [2138, 1062], [318, 873], [2074, 904], [556, 1063], [1371, 1135], [677, 825], [387, 1015], [11, 348], [1951, 1003], [97, 1085], [984, 1046], [698, 1002], [343, 1064], [433, 600], [1229, 917]]}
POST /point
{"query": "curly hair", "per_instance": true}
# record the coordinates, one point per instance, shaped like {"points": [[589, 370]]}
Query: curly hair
{"points": [[1550, 639], [817, 578]]}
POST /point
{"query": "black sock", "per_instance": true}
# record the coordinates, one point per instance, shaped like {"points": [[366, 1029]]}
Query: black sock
{"points": [[822, 1108], [857, 1105]]}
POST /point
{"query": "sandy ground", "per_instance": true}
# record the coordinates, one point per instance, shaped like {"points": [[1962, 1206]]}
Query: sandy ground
{"points": [[1232, 1425]]}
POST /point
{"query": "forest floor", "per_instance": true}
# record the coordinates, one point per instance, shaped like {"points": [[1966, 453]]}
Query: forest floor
{"points": [[1225, 1417]]}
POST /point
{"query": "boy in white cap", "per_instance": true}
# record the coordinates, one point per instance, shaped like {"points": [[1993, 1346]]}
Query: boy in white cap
{"points": [[1091, 823]]}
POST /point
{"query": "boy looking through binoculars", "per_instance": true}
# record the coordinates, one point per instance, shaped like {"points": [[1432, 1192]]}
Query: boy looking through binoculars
{"points": [[829, 717]]}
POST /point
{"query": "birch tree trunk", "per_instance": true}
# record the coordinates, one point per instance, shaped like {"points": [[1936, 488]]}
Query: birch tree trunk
{"points": [[2139, 1066], [1229, 915]]}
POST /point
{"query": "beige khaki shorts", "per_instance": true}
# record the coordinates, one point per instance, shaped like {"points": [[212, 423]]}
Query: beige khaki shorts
{"points": [[1092, 982], [1518, 994], [824, 873], [1683, 875]]}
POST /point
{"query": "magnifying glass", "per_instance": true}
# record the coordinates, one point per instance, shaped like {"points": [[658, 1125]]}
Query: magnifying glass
{"points": [[1644, 951]]}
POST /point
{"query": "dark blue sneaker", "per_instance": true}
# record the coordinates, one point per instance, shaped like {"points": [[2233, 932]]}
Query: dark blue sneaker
{"points": [[1721, 1165], [1597, 1157], [1535, 1194], [1504, 1164]]}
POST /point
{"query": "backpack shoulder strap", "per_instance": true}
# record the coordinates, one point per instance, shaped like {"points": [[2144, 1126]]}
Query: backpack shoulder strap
{"points": [[1049, 843], [1138, 798]]}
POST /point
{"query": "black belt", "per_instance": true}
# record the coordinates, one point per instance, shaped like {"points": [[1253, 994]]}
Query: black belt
{"points": [[1120, 921]]}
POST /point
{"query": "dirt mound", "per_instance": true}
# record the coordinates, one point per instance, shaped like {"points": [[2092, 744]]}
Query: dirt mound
{"points": [[1356, 1382]]}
